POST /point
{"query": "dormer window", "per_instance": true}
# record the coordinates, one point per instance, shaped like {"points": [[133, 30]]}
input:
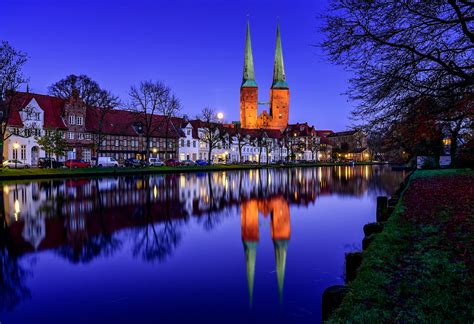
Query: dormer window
{"points": [[79, 120], [72, 120]]}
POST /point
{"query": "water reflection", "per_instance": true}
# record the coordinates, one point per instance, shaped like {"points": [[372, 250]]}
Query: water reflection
{"points": [[79, 219]]}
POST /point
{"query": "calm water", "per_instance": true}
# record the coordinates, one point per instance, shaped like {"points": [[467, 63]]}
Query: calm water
{"points": [[252, 246]]}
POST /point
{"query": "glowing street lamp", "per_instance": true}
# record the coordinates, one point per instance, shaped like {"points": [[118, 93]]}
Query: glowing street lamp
{"points": [[220, 116]]}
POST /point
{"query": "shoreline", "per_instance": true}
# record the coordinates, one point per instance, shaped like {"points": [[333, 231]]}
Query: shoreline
{"points": [[421, 259], [36, 173]]}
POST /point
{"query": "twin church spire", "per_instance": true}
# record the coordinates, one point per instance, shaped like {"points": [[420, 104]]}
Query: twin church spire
{"points": [[276, 117], [279, 79]]}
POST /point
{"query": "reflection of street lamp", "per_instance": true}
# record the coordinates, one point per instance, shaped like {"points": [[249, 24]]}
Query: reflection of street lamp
{"points": [[15, 147]]}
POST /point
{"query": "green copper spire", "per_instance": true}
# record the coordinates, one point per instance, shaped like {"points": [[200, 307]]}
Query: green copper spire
{"points": [[280, 247], [248, 79], [279, 79], [250, 258]]}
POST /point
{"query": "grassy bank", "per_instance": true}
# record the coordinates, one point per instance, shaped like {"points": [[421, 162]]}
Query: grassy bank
{"points": [[34, 173], [421, 267]]}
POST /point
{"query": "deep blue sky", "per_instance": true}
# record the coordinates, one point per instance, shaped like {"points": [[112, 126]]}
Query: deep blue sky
{"points": [[195, 46]]}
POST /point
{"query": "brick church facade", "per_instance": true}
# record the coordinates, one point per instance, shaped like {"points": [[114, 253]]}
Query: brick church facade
{"points": [[277, 116]]}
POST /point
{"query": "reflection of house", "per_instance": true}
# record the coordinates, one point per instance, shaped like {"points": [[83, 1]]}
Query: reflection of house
{"points": [[49, 214]]}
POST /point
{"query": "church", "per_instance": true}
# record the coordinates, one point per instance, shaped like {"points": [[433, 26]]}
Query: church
{"points": [[277, 117]]}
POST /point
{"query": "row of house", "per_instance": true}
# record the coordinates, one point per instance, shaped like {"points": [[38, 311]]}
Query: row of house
{"points": [[120, 134]]}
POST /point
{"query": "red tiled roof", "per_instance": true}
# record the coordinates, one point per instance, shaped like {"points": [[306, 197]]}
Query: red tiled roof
{"points": [[122, 122], [52, 107]]}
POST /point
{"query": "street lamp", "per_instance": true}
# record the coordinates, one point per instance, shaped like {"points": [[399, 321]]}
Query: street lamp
{"points": [[220, 116], [15, 147]]}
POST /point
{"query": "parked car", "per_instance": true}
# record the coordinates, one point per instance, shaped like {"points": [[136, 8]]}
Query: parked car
{"points": [[49, 163], [172, 162], [188, 162], [107, 161], [201, 162], [15, 164], [132, 162], [77, 164], [155, 162]]}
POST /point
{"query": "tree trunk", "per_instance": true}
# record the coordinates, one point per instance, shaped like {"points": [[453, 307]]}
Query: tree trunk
{"points": [[209, 154], [453, 148]]}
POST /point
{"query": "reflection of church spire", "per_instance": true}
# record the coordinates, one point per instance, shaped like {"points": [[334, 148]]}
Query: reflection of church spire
{"points": [[250, 237], [250, 258], [280, 224], [280, 247]]}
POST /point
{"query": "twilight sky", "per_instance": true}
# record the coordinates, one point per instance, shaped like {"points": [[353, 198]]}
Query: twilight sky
{"points": [[195, 46]]}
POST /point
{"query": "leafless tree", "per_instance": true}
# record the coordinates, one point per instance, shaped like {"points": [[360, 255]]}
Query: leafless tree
{"points": [[89, 90], [106, 102], [149, 99], [101, 101], [241, 139], [11, 78], [401, 49], [210, 132]]}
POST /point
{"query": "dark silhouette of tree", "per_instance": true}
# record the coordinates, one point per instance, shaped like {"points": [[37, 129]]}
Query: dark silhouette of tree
{"points": [[148, 100], [94, 96], [11, 78], [210, 133], [400, 50]]}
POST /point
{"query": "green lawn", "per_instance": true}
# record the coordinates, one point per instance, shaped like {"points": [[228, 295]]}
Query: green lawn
{"points": [[35, 173], [420, 269]]}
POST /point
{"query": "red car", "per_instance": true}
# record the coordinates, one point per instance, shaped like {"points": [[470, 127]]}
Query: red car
{"points": [[172, 162], [77, 164]]}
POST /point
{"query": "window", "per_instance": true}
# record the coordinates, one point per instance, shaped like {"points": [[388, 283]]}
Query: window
{"points": [[86, 154], [182, 143], [15, 154], [188, 132], [37, 132], [72, 120], [188, 143], [80, 136], [117, 142], [194, 143], [124, 142], [79, 120], [87, 136], [71, 135], [23, 152]]}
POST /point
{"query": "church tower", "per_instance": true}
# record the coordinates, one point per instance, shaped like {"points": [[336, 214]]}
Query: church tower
{"points": [[279, 92], [248, 89]]}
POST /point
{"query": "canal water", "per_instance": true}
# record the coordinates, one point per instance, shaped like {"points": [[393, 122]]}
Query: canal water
{"points": [[253, 246]]}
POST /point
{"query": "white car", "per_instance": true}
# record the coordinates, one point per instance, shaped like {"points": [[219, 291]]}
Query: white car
{"points": [[155, 162], [15, 164], [107, 161]]}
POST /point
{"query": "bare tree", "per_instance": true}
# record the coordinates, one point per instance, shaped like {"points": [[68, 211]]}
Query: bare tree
{"points": [[401, 49], [105, 104], [241, 139], [169, 108], [210, 133], [11, 78], [89, 90], [149, 99]]}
